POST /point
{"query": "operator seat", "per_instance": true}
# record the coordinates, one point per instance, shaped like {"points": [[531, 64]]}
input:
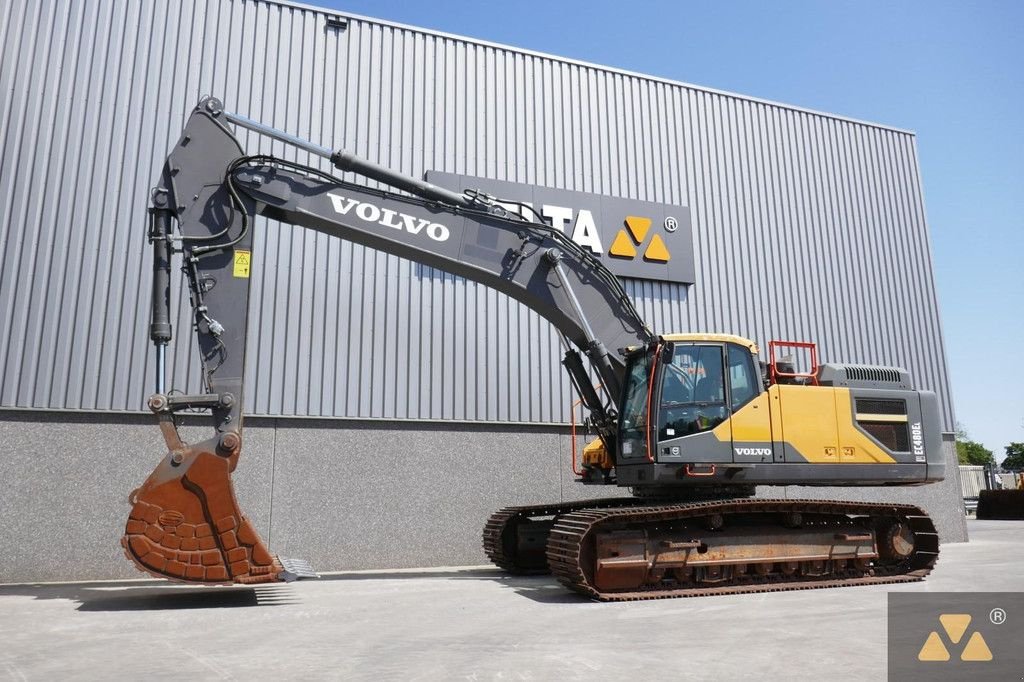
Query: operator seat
{"points": [[709, 389]]}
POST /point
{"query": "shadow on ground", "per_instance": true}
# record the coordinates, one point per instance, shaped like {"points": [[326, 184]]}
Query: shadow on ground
{"points": [[540, 588], [158, 595]]}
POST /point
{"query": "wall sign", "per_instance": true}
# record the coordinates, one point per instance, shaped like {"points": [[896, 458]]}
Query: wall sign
{"points": [[635, 239]]}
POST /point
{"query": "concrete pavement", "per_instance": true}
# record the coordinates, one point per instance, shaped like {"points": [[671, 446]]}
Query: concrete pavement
{"points": [[470, 623]]}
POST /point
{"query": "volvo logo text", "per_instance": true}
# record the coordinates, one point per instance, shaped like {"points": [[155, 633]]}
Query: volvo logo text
{"points": [[388, 218], [754, 452]]}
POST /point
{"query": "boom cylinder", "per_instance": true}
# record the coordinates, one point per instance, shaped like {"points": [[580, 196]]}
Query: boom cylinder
{"points": [[347, 161], [160, 322], [578, 374], [595, 350]]}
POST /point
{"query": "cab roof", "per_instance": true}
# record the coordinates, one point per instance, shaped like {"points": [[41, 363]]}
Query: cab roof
{"points": [[717, 338]]}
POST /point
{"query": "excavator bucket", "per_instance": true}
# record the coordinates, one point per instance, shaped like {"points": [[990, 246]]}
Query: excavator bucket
{"points": [[185, 525]]}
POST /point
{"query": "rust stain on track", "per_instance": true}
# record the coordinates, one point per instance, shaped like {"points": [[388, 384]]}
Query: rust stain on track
{"points": [[571, 553]]}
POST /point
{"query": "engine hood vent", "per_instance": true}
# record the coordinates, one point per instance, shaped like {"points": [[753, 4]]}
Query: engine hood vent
{"points": [[864, 376]]}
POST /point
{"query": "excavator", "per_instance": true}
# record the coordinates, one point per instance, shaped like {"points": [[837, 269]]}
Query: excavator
{"points": [[691, 423]]}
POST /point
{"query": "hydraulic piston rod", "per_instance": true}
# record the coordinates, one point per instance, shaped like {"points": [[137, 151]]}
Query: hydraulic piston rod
{"points": [[160, 322], [346, 161], [595, 350]]}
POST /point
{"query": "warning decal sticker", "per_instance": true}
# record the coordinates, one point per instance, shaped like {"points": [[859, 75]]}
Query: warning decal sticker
{"points": [[242, 261]]}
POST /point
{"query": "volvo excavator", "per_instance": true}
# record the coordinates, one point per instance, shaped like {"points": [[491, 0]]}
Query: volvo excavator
{"points": [[691, 423]]}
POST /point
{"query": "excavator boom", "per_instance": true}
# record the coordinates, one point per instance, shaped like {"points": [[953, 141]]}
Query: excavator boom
{"points": [[185, 523]]}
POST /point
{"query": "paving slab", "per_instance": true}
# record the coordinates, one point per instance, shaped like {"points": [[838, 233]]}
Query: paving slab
{"points": [[467, 623]]}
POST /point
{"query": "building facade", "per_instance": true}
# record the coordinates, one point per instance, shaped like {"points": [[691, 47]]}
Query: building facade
{"points": [[395, 406]]}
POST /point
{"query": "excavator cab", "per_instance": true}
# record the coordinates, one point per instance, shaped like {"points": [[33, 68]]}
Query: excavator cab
{"points": [[697, 412], [680, 394]]}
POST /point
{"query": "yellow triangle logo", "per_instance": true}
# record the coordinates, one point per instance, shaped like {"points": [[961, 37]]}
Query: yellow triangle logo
{"points": [[955, 625], [622, 247], [638, 227], [933, 649], [657, 251], [976, 649]]}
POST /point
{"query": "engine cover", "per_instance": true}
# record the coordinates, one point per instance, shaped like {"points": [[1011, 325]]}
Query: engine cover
{"points": [[864, 376]]}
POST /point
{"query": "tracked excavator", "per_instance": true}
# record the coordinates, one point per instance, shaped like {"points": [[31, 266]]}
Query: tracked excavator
{"points": [[691, 423]]}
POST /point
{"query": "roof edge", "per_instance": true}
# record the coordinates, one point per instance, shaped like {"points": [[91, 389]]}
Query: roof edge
{"points": [[586, 64]]}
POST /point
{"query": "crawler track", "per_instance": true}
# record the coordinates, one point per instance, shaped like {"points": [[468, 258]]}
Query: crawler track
{"points": [[503, 528], [572, 546]]}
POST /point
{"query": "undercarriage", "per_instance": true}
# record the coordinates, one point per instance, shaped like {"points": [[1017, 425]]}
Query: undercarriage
{"points": [[626, 548]]}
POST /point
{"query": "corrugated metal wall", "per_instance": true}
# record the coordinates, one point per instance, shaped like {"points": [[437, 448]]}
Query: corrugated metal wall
{"points": [[806, 226]]}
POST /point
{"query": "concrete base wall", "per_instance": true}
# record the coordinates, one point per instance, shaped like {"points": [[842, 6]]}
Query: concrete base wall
{"points": [[344, 495]]}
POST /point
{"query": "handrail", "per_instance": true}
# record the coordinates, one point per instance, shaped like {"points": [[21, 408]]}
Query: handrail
{"points": [[775, 372]]}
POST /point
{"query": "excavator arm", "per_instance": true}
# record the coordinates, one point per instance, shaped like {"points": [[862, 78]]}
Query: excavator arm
{"points": [[185, 522]]}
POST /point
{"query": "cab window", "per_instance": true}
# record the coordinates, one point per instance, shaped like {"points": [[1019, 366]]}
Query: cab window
{"points": [[692, 391], [633, 415], [742, 378]]}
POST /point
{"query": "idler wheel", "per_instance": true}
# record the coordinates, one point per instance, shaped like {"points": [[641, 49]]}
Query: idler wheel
{"points": [[897, 541]]}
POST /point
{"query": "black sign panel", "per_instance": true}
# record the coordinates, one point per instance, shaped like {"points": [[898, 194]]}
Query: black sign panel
{"points": [[635, 239], [956, 635]]}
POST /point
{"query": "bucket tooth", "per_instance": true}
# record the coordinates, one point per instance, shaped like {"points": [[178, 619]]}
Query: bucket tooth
{"points": [[296, 569]]}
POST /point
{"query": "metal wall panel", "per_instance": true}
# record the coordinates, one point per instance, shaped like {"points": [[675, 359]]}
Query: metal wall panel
{"points": [[806, 225]]}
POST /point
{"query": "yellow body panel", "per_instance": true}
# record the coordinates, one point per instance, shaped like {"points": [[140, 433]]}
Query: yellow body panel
{"points": [[809, 421], [816, 421], [752, 424], [596, 455], [854, 444], [775, 406]]}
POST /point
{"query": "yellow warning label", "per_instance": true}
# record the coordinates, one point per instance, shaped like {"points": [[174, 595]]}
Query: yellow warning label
{"points": [[243, 259]]}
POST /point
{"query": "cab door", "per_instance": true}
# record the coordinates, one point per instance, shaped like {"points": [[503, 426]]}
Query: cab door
{"points": [[751, 421], [634, 422], [692, 404]]}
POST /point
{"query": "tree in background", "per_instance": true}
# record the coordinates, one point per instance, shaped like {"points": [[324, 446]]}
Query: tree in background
{"points": [[1014, 457], [969, 452]]}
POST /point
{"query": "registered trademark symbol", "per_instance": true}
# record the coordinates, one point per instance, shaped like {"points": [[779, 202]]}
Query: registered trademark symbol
{"points": [[997, 616], [671, 224]]}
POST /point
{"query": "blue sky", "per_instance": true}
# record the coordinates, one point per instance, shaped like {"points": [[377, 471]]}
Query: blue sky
{"points": [[951, 71]]}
